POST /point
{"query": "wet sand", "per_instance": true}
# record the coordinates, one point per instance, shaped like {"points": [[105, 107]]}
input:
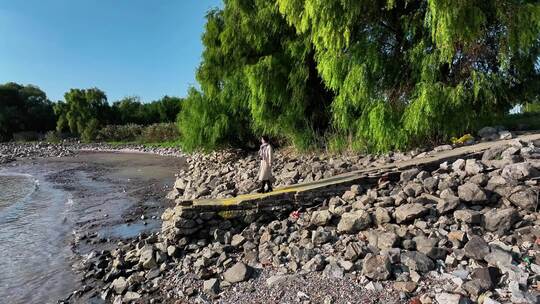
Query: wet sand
{"points": [[84, 203]]}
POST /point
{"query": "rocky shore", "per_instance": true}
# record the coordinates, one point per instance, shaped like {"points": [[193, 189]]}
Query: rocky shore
{"points": [[12, 151], [467, 231]]}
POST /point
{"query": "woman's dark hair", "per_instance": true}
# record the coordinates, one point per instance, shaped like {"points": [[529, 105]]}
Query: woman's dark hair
{"points": [[265, 138]]}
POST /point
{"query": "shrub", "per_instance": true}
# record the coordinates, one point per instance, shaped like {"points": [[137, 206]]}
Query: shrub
{"points": [[154, 133], [129, 132], [27, 136], [159, 132], [53, 137]]}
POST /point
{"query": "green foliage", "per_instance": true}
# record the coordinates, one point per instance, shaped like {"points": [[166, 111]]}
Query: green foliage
{"points": [[53, 137], [532, 107], [86, 113], [130, 110], [83, 112], [128, 132], [409, 71], [380, 75], [154, 133], [24, 109], [257, 77], [160, 132]]}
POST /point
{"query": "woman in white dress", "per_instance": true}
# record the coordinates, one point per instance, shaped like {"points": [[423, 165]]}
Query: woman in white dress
{"points": [[265, 173]]}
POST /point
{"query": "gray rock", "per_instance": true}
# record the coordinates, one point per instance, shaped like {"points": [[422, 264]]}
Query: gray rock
{"points": [[173, 251], [353, 251], [237, 273], [458, 165], [488, 276], [320, 218], [376, 267], [147, 257], [131, 296], [470, 192], [119, 285], [408, 175], [277, 280], [505, 135], [428, 246], [353, 222], [333, 271], [448, 202], [476, 248], [237, 240], [488, 133], [524, 197], [409, 212], [468, 216], [382, 216], [479, 179], [501, 220], [498, 257], [473, 167], [521, 296], [382, 240], [320, 236], [211, 287], [475, 287], [431, 184], [413, 189], [417, 261], [317, 263], [519, 171], [348, 195], [493, 153], [450, 298]]}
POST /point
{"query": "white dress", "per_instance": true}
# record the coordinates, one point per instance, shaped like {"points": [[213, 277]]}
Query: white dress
{"points": [[265, 153]]}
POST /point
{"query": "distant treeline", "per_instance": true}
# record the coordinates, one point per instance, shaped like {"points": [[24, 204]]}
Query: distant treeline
{"points": [[82, 113]]}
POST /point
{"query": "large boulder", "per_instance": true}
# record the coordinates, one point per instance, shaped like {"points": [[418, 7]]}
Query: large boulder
{"points": [[409, 212], [353, 222], [470, 192]]}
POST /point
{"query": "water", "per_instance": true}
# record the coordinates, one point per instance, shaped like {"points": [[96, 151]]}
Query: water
{"points": [[33, 241], [46, 205]]}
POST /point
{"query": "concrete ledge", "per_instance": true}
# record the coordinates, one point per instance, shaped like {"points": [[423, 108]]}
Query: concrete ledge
{"points": [[302, 194]]}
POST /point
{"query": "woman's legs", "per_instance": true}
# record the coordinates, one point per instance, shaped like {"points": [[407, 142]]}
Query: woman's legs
{"points": [[266, 186], [269, 188]]}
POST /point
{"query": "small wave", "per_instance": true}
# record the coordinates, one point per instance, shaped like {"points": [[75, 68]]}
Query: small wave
{"points": [[16, 187]]}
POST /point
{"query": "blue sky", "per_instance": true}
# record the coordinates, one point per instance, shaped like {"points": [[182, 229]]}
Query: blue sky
{"points": [[147, 48]]}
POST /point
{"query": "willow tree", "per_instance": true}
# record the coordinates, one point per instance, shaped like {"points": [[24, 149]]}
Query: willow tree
{"points": [[83, 112], [407, 71], [257, 76]]}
